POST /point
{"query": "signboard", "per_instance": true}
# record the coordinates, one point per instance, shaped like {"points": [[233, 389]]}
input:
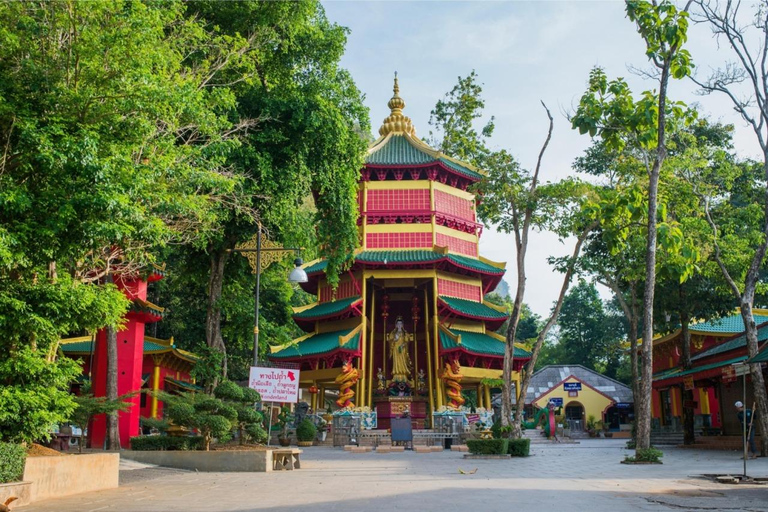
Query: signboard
{"points": [[572, 386], [688, 383], [275, 384], [623, 405], [573, 394], [729, 374], [557, 402], [473, 418]]}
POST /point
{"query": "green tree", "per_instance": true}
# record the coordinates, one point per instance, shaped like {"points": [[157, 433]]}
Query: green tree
{"points": [[243, 400], [609, 111], [744, 81], [88, 406]]}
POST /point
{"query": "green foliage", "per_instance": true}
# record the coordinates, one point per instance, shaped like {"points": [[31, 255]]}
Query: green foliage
{"points": [[155, 443], [519, 447], [243, 400], [210, 416], [645, 455], [208, 368], [88, 406], [158, 424], [306, 431], [12, 458], [453, 119], [34, 395], [488, 446], [588, 334]]}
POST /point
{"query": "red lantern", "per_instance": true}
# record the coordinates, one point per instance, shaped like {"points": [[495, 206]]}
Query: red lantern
{"points": [[313, 389]]}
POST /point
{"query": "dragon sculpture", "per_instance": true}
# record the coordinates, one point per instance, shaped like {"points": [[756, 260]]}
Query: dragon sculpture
{"points": [[452, 377], [345, 380]]}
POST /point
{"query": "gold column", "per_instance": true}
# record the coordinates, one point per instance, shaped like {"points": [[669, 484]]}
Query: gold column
{"points": [[516, 380], [430, 372], [361, 395], [313, 403], [371, 343], [155, 388], [436, 320], [384, 343], [479, 394], [487, 397], [321, 397], [415, 352]]}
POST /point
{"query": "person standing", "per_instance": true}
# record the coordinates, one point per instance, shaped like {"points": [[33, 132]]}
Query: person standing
{"points": [[745, 418]]}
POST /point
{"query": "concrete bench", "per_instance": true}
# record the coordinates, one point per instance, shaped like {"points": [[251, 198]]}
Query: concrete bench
{"points": [[287, 459]]}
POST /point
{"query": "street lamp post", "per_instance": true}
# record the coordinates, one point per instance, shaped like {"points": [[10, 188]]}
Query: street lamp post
{"points": [[253, 250]]}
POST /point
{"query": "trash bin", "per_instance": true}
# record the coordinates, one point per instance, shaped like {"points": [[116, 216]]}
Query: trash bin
{"points": [[448, 443]]}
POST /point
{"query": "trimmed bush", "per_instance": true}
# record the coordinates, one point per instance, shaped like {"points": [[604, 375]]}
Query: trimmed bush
{"points": [[519, 447], [488, 446], [162, 443], [12, 457], [646, 455], [306, 431]]}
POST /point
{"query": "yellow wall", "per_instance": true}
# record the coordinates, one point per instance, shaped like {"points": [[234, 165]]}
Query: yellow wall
{"points": [[594, 403]]}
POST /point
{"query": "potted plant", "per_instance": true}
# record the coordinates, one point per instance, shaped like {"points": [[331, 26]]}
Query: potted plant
{"points": [[322, 429], [593, 425], [306, 432], [328, 416], [284, 437]]}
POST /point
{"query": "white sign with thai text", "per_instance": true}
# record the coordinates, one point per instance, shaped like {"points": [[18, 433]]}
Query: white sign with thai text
{"points": [[275, 384]]}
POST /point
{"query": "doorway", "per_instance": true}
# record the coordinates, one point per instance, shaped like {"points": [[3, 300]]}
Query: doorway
{"points": [[574, 415]]}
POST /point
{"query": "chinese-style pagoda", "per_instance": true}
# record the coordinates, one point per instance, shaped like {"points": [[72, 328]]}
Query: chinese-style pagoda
{"points": [[408, 317]]}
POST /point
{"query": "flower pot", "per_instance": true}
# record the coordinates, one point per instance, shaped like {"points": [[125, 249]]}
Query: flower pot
{"points": [[323, 435], [284, 441], [305, 443], [328, 417]]}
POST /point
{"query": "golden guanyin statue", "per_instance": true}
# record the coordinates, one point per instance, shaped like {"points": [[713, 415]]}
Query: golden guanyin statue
{"points": [[399, 341]]}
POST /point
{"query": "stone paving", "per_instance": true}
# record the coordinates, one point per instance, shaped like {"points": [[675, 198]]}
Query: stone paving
{"points": [[585, 476]]}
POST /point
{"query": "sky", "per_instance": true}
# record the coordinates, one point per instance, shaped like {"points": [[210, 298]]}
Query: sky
{"points": [[524, 53]]}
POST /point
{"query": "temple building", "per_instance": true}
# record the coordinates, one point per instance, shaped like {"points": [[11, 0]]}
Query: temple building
{"points": [[407, 328], [144, 363]]}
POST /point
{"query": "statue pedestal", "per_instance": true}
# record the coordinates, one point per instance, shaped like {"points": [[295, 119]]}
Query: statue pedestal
{"points": [[388, 407]]}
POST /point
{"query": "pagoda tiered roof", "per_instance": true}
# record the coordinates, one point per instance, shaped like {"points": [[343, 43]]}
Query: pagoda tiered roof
{"points": [[320, 345], [336, 310], [85, 346], [472, 310], [486, 346], [490, 272]]}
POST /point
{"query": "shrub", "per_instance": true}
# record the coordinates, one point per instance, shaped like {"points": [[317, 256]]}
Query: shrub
{"points": [[12, 457], [488, 446], [646, 455], [248, 421], [519, 447], [211, 417], [161, 443], [306, 431]]}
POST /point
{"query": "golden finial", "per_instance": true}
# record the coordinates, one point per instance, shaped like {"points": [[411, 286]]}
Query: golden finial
{"points": [[396, 121]]}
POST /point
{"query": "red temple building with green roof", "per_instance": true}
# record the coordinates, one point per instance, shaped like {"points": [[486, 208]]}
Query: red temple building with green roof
{"points": [[418, 263], [143, 363]]}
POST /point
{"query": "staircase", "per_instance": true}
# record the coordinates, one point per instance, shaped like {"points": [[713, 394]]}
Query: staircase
{"points": [[537, 437], [666, 438]]}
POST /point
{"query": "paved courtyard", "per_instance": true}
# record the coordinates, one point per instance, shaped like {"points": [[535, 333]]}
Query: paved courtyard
{"points": [[583, 477]]}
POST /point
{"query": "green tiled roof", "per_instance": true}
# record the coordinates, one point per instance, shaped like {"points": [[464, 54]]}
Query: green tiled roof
{"points": [[397, 150], [184, 385], [461, 169], [729, 324], [671, 374], [326, 309], [741, 341], [761, 357], [318, 344], [478, 343], [471, 308], [85, 347], [414, 256]]}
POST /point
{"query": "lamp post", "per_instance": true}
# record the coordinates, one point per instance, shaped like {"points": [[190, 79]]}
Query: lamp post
{"points": [[742, 366], [253, 250]]}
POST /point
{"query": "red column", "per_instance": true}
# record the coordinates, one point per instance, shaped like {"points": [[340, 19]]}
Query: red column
{"points": [[130, 353]]}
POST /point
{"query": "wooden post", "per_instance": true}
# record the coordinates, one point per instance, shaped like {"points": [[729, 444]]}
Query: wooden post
{"points": [[430, 371]]}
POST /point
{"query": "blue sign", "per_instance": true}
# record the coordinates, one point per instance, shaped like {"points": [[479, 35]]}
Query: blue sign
{"points": [[572, 386], [623, 405], [557, 402]]}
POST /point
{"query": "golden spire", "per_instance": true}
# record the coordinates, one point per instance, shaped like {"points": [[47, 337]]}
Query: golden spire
{"points": [[396, 121]]}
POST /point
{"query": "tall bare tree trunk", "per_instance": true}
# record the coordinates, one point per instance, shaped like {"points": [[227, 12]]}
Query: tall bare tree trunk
{"points": [[531, 366], [113, 431], [213, 336]]}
